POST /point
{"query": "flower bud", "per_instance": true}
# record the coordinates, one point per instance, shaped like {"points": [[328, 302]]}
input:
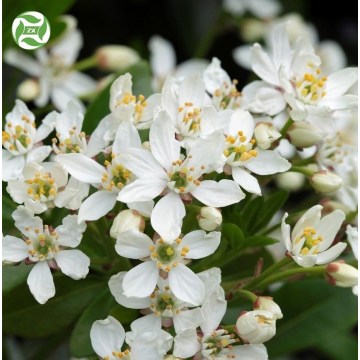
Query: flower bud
{"points": [[265, 134], [28, 90], [256, 327], [252, 30], [302, 134], [291, 181], [266, 303], [341, 274], [116, 57], [325, 181], [209, 218], [127, 220]]}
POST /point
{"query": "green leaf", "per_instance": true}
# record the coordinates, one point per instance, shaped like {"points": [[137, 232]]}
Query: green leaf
{"points": [[313, 311], [30, 19], [259, 240], [80, 343], [30, 42], [42, 29], [19, 30], [234, 235], [23, 316], [8, 207], [123, 314], [13, 276], [250, 213], [340, 347], [57, 28]]}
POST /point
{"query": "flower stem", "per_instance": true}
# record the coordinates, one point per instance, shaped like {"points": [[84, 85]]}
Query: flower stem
{"points": [[286, 127], [85, 64], [283, 262], [247, 294]]}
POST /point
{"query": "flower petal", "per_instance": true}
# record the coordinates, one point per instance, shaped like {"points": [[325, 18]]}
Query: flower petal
{"points": [[192, 89], [133, 244], [188, 319], [73, 263], [341, 81], [218, 194], [211, 279], [171, 208], [330, 254], [107, 336], [241, 120], [25, 219], [186, 344], [22, 61], [310, 219], [41, 282], [285, 232], [141, 280], [14, 249], [201, 244], [328, 227], [12, 166], [250, 352], [246, 180], [162, 56], [268, 162], [186, 286], [17, 190], [117, 291], [97, 205], [38, 154], [126, 137], [263, 66], [70, 232]]}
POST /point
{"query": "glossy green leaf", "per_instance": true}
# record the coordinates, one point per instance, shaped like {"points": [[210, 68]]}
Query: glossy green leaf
{"points": [[259, 240], [123, 314], [234, 235], [23, 316], [80, 343], [14, 275]]}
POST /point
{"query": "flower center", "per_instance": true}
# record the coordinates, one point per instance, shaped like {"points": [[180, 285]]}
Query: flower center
{"points": [[239, 148], [139, 104], [163, 303], [43, 246], [123, 355], [180, 178], [227, 97], [42, 187], [219, 340], [311, 242], [116, 176], [75, 143], [311, 87], [189, 119], [168, 256]]}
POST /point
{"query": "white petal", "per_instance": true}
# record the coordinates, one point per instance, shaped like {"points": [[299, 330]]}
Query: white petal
{"points": [[263, 66], [268, 100], [330, 254], [107, 336], [144, 208], [340, 82], [47, 126], [36, 207], [71, 117], [21, 61], [144, 323], [41, 282], [12, 166], [218, 194], [17, 190], [68, 48], [57, 171], [192, 89], [133, 244], [162, 56], [97, 205], [117, 291], [186, 286], [201, 244], [14, 249], [186, 344], [79, 83], [81, 167], [211, 279], [310, 219], [73, 263], [144, 189], [70, 232], [215, 76], [38, 154], [126, 137], [246, 180], [141, 280], [167, 216], [264, 9], [26, 219], [328, 227], [250, 352], [281, 52], [190, 67], [213, 308], [188, 319], [268, 162], [164, 146], [285, 232], [305, 261], [242, 120], [61, 95], [242, 56]]}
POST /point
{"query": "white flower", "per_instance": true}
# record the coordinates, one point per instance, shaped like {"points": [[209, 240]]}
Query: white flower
{"points": [[257, 326], [126, 220], [325, 181], [46, 247], [265, 134], [39, 187], [303, 134], [311, 238], [116, 57], [53, 69], [209, 218], [163, 170], [168, 257], [266, 303], [22, 140], [263, 9], [341, 274]]}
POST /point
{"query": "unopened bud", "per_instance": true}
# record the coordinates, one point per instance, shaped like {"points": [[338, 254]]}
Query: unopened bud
{"points": [[290, 181], [28, 90], [265, 134], [330, 205], [209, 218], [127, 220], [341, 274], [252, 30], [268, 304], [116, 57], [171, 357], [325, 181], [146, 145], [302, 134], [256, 327]]}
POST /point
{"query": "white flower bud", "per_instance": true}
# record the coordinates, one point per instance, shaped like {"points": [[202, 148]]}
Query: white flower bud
{"points": [[116, 57], [209, 218], [265, 134], [291, 181], [341, 274], [126, 220], [256, 327], [266, 303], [146, 145], [302, 134], [28, 90], [325, 181], [252, 29]]}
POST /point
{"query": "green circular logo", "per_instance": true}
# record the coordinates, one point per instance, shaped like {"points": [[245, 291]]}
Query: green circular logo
{"points": [[31, 30]]}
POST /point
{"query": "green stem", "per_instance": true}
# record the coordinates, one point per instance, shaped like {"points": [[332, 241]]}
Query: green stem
{"points": [[85, 64], [302, 170], [286, 127], [248, 294], [283, 262], [316, 270]]}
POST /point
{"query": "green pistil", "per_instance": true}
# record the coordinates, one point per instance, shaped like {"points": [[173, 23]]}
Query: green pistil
{"points": [[166, 253], [180, 179], [165, 302]]}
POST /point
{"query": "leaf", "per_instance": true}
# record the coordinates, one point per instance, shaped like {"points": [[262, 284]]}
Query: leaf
{"points": [[313, 311], [14, 275], [340, 347], [80, 343], [19, 30], [30, 18], [234, 235], [123, 314], [8, 208], [30, 42], [259, 240], [250, 213], [23, 316]]}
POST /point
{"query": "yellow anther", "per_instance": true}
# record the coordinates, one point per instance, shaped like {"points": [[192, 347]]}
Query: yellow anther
{"points": [[242, 138], [167, 268], [304, 251], [304, 92], [240, 133], [245, 156], [230, 139]]}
